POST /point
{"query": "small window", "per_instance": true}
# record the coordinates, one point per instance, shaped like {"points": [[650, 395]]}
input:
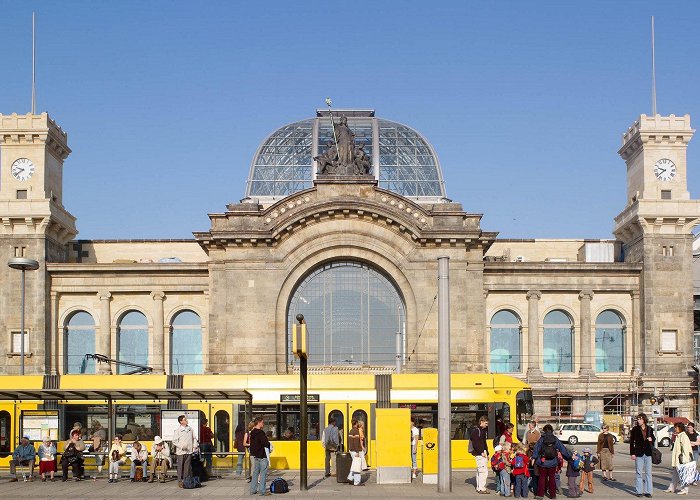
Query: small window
{"points": [[561, 406], [665, 194], [17, 342], [669, 340], [21, 194]]}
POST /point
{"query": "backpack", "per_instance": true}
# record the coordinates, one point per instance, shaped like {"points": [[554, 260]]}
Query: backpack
{"points": [[549, 446], [191, 482], [576, 464], [327, 442], [497, 463], [279, 485], [519, 461]]}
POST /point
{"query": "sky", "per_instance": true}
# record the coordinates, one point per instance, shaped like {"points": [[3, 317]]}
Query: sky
{"points": [[166, 102]]}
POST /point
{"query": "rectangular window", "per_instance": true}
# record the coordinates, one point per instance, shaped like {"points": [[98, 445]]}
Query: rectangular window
{"points": [[669, 341], [613, 405], [665, 194], [290, 422], [85, 417], [269, 415], [671, 412], [562, 406], [463, 416], [17, 342], [140, 422], [21, 194]]}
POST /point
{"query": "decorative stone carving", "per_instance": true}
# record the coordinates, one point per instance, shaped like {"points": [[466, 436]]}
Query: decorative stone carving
{"points": [[344, 157]]}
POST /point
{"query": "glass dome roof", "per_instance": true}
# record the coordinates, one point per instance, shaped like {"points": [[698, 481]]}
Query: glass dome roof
{"points": [[403, 161]]}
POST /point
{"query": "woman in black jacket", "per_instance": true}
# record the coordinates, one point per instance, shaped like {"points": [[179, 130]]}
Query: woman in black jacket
{"points": [[641, 443]]}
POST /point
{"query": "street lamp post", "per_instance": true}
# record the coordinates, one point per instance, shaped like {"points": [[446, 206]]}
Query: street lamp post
{"points": [[23, 264]]}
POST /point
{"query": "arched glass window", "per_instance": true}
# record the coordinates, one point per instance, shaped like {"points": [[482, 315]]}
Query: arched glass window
{"points": [[609, 343], [132, 340], [79, 341], [353, 313], [558, 343], [186, 344], [505, 343]]}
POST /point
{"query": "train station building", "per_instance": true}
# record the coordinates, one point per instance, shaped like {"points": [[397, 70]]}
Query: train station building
{"points": [[591, 325]]}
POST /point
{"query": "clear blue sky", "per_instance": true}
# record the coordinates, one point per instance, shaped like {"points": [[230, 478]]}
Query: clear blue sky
{"points": [[165, 103]]}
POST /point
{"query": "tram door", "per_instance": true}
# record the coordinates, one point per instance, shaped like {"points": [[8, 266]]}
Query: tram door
{"points": [[7, 433], [344, 413]]}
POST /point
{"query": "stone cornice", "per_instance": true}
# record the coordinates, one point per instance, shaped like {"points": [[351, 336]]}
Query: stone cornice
{"points": [[21, 130], [249, 224], [667, 130]]}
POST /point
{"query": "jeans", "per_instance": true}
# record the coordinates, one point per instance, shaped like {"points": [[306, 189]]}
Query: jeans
{"points": [[505, 482], [239, 462], [144, 467], [482, 472], [573, 487], [207, 450], [644, 483], [520, 486], [114, 469], [259, 469]]}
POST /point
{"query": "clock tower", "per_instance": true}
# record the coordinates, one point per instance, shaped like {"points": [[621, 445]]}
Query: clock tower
{"points": [[655, 229], [34, 224]]}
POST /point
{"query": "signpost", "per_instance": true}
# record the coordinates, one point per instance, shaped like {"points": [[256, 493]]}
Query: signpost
{"points": [[299, 347]]}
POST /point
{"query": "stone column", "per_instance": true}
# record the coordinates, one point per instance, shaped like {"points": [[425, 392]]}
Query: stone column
{"points": [[54, 348], [104, 336], [585, 344], [157, 355], [533, 334], [634, 333]]}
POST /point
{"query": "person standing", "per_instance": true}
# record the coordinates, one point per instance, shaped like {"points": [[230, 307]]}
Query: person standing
{"points": [[355, 449], [606, 452], [641, 443], [185, 443], [520, 471], [572, 474], [415, 434], [588, 462], [239, 443], [532, 435], [694, 439], [47, 458], [547, 460], [258, 444], [681, 453], [206, 445], [330, 442], [23, 456], [477, 440]]}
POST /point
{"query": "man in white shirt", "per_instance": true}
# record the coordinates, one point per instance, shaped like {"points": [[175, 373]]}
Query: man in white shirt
{"points": [[185, 443], [414, 448]]}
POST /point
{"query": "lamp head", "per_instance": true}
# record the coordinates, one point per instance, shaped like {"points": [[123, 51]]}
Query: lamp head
{"points": [[300, 318], [23, 264]]}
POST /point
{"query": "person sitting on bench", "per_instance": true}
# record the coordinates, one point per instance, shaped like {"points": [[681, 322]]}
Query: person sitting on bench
{"points": [[24, 457]]}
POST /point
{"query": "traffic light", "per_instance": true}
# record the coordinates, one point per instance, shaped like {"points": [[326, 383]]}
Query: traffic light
{"points": [[652, 400]]}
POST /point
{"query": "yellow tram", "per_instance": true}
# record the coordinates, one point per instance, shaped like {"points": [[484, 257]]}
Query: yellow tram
{"points": [[136, 407]]}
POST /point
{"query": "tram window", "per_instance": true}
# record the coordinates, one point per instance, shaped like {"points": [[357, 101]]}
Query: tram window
{"points": [[339, 420], [5, 434], [462, 418], [85, 416], [524, 408], [502, 416], [221, 430], [268, 414], [140, 422], [290, 422]]}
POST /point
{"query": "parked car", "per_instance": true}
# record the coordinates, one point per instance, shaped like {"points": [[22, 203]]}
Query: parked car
{"points": [[581, 433], [664, 434]]}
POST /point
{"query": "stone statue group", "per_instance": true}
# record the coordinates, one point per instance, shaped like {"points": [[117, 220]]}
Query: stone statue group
{"points": [[347, 158]]}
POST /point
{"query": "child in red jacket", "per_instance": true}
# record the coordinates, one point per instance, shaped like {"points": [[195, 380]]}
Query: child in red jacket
{"points": [[520, 471]]}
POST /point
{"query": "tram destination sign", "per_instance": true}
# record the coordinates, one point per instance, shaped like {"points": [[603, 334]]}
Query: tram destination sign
{"points": [[296, 398]]}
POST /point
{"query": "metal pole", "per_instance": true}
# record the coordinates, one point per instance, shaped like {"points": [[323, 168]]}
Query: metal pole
{"points": [[303, 480], [444, 402], [21, 331], [398, 352]]}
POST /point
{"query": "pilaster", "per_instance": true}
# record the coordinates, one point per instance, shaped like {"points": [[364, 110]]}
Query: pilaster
{"points": [[534, 365], [104, 339], [586, 356]]}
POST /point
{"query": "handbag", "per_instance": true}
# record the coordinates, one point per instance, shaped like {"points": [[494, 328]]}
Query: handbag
{"points": [[655, 455]]}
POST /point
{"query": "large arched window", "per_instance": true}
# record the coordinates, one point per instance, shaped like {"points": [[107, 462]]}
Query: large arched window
{"points": [[132, 340], [558, 343], [353, 313], [505, 343], [609, 343], [79, 340], [186, 344]]}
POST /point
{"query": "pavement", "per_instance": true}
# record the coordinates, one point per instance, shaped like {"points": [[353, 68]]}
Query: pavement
{"points": [[230, 487]]}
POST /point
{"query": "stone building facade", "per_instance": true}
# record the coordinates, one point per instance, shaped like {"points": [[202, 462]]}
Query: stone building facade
{"points": [[591, 325]]}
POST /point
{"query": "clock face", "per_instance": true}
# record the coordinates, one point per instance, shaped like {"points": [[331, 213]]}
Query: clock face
{"points": [[22, 169], [665, 169]]}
